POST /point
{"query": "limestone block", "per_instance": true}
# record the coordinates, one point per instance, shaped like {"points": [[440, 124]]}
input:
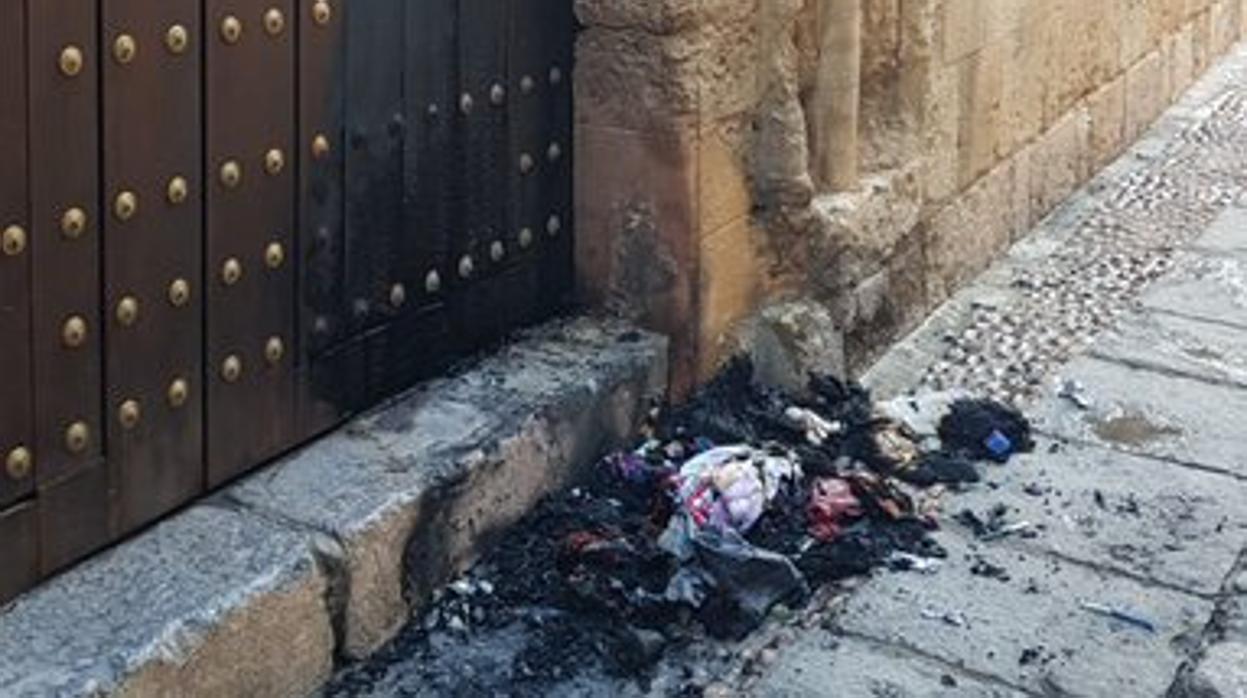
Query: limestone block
{"points": [[1059, 162], [1107, 109], [1024, 58], [978, 128], [963, 24], [1180, 55], [629, 78], [790, 340], [1146, 92], [941, 127], [732, 285], [722, 173]]}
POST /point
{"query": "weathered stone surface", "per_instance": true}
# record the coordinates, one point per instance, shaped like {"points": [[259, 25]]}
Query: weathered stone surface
{"points": [[823, 664], [1122, 512], [1221, 673], [414, 491], [1146, 412], [995, 622], [789, 341], [212, 602], [1212, 351]]}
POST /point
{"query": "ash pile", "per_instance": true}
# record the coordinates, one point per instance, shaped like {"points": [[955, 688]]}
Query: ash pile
{"points": [[739, 503]]}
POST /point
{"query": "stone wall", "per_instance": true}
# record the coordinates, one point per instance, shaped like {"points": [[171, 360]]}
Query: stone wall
{"points": [[705, 129]]}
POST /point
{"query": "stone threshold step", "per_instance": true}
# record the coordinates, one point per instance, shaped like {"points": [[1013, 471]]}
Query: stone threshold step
{"points": [[322, 556]]}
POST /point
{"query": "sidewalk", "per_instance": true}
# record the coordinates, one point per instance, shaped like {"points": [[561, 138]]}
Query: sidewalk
{"points": [[1135, 294]]}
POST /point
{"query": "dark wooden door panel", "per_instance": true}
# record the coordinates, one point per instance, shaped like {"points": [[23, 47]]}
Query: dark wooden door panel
{"points": [[17, 446], [251, 171]]}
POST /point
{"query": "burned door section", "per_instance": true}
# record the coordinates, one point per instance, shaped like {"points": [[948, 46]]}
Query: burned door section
{"points": [[540, 139], [152, 262], [17, 445], [66, 331], [249, 81]]}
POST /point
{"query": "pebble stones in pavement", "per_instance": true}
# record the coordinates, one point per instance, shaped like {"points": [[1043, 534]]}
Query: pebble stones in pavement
{"points": [[1091, 258]]}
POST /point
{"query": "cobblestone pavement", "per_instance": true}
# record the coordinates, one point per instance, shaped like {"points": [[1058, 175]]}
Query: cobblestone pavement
{"points": [[1132, 577]]}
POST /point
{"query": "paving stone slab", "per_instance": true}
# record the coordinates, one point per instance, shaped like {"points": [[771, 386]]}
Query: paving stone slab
{"points": [[1030, 630], [1210, 287], [1227, 234], [825, 665], [415, 490], [1151, 413], [212, 602], [1208, 350], [1157, 520]]}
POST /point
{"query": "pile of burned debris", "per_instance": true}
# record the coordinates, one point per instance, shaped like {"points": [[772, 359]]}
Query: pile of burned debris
{"points": [[742, 500]]}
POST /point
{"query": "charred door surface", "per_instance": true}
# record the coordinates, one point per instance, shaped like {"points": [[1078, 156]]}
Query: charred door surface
{"points": [[226, 226]]}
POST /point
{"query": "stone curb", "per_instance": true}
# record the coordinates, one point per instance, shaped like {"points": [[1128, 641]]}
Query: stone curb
{"points": [[258, 590]]}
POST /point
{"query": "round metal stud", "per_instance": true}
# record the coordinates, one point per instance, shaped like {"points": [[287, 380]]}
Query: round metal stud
{"points": [[320, 325], [179, 293], [433, 282], [178, 190], [126, 205], [556, 75], [177, 39], [466, 103], [274, 255], [77, 437], [361, 308], [71, 61], [231, 29], [231, 369], [274, 350], [179, 392], [321, 12], [526, 237], [526, 163], [398, 295], [127, 311], [466, 266], [231, 271], [527, 84], [274, 21], [554, 152], [129, 414], [554, 225], [497, 95], [497, 251], [274, 161], [125, 49], [19, 463], [320, 146], [433, 111], [231, 173], [73, 223], [13, 240], [74, 332]]}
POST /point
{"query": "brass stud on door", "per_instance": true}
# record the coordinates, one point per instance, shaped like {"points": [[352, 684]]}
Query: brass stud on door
{"points": [[466, 103], [19, 463], [178, 190], [74, 332], [179, 293], [274, 21], [554, 152], [526, 237], [274, 255], [125, 49], [231, 369], [321, 12], [231, 29], [526, 163], [320, 146], [433, 282], [497, 251], [231, 271], [73, 223], [178, 393], [497, 95], [126, 205], [274, 161], [554, 225], [527, 84], [77, 437], [398, 295], [274, 350], [128, 311], [71, 61], [231, 173], [466, 267], [556, 75], [129, 414], [13, 240], [177, 39]]}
